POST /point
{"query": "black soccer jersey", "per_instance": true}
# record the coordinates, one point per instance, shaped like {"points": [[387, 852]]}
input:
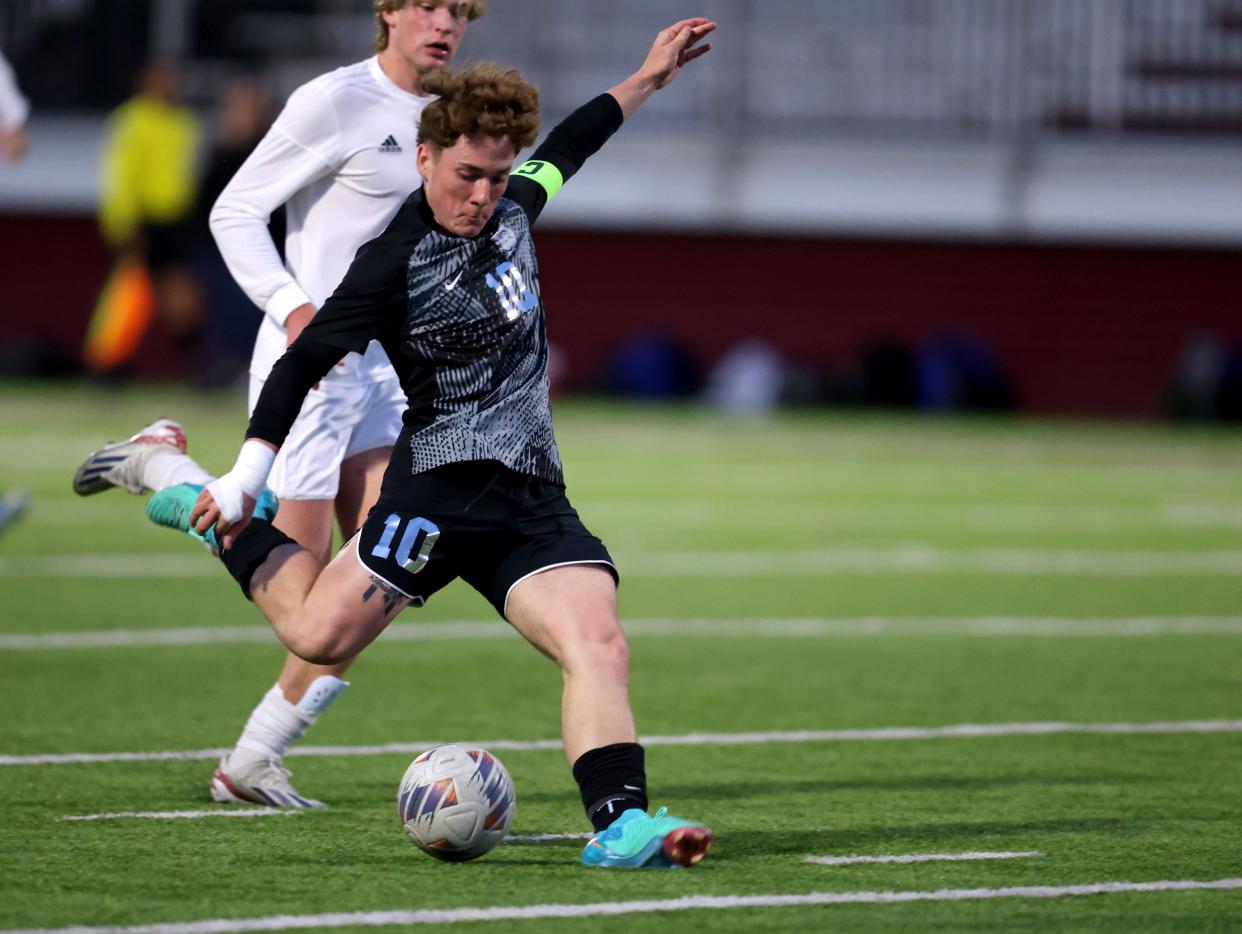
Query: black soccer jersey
{"points": [[460, 318]]}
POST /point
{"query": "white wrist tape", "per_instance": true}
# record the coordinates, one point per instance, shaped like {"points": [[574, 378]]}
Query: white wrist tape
{"points": [[247, 478]]}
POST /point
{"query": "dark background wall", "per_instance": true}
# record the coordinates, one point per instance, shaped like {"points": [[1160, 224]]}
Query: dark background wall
{"points": [[1088, 330]]}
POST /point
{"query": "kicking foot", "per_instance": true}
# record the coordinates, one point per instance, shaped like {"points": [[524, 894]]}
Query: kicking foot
{"points": [[637, 840], [260, 781], [171, 507], [120, 463]]}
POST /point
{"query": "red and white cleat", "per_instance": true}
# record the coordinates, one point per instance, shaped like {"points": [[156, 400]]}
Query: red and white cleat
{"points": [[262, 781], [120, 464]]}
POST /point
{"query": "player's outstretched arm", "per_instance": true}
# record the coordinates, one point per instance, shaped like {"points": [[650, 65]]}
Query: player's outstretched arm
{"points": [[672, 50], [580, 135]]}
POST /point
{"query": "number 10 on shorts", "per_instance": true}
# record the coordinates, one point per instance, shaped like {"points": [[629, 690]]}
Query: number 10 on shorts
{"points": [[419, 538]]}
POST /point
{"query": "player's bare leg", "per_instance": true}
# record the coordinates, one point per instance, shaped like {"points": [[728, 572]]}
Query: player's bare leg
{"points": [[361, 478], [325, 615], [570, 614], [309, 523]]}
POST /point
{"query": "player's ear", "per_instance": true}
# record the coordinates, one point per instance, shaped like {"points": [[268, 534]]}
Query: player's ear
{"points": [[426, 160]]}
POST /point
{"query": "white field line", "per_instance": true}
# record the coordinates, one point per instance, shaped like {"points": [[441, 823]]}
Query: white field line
{"points": [[1202, 514], [905, 516], [959, 731], [186, 815], [773, 627], [920, 858], [906, 559], [852, 515], [924, 559], [114, 565], [649, 906], [870, 516]]}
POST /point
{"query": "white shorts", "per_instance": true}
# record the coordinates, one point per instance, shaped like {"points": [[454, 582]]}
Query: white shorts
{"points": [[333, 425]]}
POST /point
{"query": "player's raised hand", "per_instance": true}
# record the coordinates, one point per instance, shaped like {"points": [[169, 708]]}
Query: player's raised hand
{"points": [[673, 48]]}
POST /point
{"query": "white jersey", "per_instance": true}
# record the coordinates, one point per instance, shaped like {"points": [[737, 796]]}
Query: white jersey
{"points": [[341, 158], [14, 109]]}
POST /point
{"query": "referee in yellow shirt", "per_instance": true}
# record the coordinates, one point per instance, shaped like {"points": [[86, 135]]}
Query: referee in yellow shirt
{"points": [[146, 211]]}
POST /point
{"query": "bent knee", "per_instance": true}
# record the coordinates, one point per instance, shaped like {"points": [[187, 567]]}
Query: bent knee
{"points": [[319, 652], [329, 644], [598, 647]]}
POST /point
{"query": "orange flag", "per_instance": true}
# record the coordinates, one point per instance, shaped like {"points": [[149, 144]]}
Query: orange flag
{"points": [[121, 317]]}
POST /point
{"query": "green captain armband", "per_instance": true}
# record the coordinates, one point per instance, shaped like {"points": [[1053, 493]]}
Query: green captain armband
{"points": [[546, 174]]}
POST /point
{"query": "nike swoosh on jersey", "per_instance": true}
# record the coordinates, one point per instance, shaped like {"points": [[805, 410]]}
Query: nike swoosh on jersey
{"points": [[449, 286]]}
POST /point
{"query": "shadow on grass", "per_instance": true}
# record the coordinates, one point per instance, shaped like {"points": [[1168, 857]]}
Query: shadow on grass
{"points": [[766, 790], [840, 839], [725, 791]]}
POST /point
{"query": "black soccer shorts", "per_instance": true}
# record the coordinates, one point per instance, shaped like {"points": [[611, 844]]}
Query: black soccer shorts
{"points": [[477, 520]]}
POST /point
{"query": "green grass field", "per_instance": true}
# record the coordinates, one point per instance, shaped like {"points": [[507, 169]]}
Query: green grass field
{"points": [[784, 581]]}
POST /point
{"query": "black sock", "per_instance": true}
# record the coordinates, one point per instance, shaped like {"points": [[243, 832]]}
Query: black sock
{"points": [[612, 779], [257, 540]]}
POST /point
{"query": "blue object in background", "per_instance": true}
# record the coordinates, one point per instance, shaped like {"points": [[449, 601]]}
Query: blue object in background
{"points": [[960, 372], [652, 365]]}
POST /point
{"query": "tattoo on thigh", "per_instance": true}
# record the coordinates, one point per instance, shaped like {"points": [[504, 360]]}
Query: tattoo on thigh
{"points": [[393, 598]]}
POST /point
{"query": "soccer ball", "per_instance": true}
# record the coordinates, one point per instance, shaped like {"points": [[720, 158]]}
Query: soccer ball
{"points": [[456, 802]]}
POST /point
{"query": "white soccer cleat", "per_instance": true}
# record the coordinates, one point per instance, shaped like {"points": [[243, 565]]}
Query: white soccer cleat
{"points": [[264, 781], [120, 463]]}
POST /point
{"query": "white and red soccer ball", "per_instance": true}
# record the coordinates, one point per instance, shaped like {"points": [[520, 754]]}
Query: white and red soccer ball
{"points": [[456, 802]]}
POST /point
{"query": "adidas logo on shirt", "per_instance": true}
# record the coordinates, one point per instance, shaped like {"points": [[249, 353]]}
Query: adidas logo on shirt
{"points": [[390, 145]]}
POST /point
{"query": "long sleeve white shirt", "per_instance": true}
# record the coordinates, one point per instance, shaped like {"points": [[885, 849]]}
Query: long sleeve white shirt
{"points": [[341, 158], [14, 108]]}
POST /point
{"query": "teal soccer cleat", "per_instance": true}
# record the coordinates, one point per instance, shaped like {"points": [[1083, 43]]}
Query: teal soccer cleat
{"points": [[171, 508], [636, 840]]}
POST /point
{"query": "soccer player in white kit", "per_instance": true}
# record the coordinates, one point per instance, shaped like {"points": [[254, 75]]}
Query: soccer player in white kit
{"points": [[341, 158]]}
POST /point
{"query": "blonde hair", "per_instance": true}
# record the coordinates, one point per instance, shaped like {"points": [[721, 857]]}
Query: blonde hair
{"points": [[474, 9], [481, 100]]}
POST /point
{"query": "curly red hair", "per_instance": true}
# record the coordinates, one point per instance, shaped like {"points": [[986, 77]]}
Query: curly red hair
{"points": [[482, 100]]}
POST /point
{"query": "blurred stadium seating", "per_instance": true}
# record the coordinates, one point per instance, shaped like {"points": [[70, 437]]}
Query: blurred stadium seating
{"points": [[1060, 177]]}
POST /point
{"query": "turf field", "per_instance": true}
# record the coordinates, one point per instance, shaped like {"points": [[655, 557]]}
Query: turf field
{"points": [[852, 637]]}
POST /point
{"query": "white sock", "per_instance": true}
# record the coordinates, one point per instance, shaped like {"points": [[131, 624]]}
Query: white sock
{"points": [[168, 468], [276, 724]]}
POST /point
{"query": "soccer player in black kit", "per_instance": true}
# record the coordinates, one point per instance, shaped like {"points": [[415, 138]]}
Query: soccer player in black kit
{"points": [[475, 487]]}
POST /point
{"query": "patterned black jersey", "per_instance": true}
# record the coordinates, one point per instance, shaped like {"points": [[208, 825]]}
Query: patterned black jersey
{"points": [[459, 317]]}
